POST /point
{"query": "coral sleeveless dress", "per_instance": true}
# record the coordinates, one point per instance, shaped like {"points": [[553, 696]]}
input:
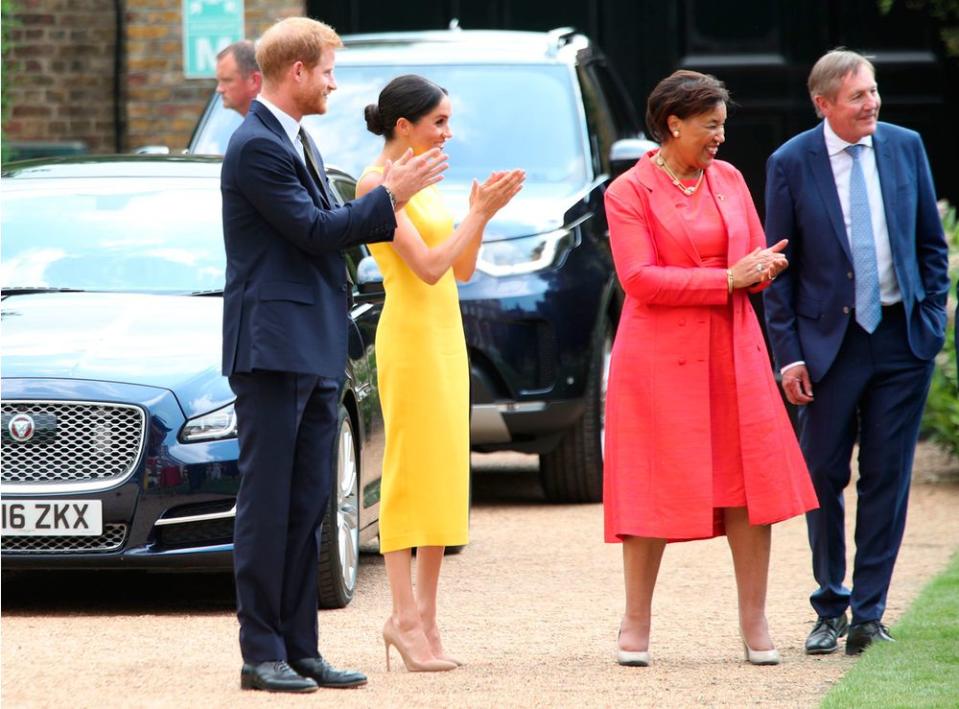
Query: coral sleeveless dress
{"points": [[423, 379]]}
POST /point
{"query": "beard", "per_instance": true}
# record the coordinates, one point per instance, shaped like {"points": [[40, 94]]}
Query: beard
{"points": [[314, 102]]}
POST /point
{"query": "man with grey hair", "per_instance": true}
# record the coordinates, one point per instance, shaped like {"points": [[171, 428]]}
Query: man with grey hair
{"points": [[854, 324], [238, 77]]}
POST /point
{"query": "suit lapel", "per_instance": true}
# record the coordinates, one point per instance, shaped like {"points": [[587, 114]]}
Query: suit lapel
{"points": [[665, 212], [320, 177], [268, 120], [317, 191], [888, 179], [826, 183]]}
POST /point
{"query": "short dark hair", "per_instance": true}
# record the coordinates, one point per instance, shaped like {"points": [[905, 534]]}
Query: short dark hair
{"points": [[682, 94], [409, 96], [244, 53]]}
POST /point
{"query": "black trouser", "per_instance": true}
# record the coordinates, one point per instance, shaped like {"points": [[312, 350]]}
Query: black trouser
{"points": [[287, 432]]}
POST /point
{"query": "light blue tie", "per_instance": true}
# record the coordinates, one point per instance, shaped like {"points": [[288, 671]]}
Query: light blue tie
{"points": [[868, 305]]}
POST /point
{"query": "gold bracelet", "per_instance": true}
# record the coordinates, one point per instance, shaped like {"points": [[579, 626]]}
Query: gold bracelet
{"points": [[729, 279]]}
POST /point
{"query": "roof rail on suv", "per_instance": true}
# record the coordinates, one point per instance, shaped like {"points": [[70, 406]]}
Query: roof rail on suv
{"points": [[558, 38]]}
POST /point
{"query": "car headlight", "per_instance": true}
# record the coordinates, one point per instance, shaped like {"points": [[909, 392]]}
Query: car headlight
{"points": [[211, 426], [525, 255]]}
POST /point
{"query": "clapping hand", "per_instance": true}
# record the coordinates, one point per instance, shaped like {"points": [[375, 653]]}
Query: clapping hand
{"points": [[408, 175], [496, 192], [760, 265]]}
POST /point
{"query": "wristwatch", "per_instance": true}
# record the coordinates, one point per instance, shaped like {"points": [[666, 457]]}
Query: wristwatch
{"points": [[389, 193]]}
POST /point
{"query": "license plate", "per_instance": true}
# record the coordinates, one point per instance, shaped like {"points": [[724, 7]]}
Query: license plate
{"points": [[52, 518]]}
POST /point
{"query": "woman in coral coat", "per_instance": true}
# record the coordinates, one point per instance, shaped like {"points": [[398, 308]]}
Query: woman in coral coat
{"points": [[698, 443]]}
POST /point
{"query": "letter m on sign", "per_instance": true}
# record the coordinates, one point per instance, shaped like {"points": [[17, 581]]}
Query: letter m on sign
{"points": [[208, 26]]}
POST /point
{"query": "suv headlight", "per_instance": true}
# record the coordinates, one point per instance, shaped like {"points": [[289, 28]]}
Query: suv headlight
{"points": [[527, 254], [212, 426]]}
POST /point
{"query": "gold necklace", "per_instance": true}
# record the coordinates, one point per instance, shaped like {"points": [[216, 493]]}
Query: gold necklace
{"points": [[688, 191]]}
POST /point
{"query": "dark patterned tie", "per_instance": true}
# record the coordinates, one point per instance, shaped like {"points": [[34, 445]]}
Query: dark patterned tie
{"points": [[315, 166], [868, 304]]}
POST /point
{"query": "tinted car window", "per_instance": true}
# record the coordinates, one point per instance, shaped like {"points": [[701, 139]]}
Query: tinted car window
{"points": [[86, 240], [486, 127], [619, 107], [215, 135]]}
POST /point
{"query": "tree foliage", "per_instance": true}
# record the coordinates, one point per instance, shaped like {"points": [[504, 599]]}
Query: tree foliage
{"points": [[940, 420], [945, 12]]}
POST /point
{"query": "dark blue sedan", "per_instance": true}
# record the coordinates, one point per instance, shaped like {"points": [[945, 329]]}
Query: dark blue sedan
{"points": [[118, 433]]}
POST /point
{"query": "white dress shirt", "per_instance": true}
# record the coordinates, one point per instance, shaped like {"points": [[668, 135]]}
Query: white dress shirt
{"points": [[289, 124], [841, 163]]}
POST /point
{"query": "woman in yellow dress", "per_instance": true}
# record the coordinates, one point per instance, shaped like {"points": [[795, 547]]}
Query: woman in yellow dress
{"points": [[422, 368]]}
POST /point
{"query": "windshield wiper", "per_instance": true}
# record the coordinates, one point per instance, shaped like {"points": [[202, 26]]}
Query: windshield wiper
{"points": [[26, 290]]}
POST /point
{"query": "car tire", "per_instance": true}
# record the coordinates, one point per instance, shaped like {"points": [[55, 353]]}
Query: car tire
{"points": [[573, 471], [340, 539]]}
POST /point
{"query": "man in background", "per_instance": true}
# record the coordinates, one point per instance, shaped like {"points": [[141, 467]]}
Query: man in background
{"points": [[238, 77]]}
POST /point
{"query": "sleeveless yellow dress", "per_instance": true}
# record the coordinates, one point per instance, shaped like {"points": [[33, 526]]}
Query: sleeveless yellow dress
{"points": [[423, 378]]}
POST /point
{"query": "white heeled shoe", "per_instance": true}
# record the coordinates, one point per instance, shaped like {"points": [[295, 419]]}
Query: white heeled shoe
{"points": [[631, 658], [759, 657]]}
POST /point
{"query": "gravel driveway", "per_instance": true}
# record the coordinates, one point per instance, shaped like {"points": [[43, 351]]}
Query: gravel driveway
{"points": [[531, 606]]}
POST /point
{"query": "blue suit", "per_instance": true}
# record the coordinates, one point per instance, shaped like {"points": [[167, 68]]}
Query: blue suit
{"points": [[285, 322], [870, 387]]}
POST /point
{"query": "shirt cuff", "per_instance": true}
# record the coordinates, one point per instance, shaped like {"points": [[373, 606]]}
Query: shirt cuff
{"points": [[782, 370]]}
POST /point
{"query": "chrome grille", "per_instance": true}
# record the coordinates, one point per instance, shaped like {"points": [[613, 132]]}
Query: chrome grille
{"points": [[111, 539], [71, 442]]}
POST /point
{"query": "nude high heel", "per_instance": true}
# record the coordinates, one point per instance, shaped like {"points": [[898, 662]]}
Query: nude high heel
{"points": [[444, 656], [759, 657], [391, 636]]}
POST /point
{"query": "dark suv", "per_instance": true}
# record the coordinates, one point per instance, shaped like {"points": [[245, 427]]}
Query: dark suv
{"points": [[541, 310]]}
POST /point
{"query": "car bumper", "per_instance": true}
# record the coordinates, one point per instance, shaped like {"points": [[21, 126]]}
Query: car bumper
{"points": [[174, 509]]}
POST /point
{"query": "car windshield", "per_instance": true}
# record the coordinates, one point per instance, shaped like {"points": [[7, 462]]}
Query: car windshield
{"points": [[503, 117], [112, 235]]}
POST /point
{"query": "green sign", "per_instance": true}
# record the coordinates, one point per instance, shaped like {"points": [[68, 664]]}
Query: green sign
{"points": [[208, 27]]}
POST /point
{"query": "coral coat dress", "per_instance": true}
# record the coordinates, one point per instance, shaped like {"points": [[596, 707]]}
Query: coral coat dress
{"points": [[694, 420]]}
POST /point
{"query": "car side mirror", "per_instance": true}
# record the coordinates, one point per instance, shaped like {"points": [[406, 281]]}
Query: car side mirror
{"points": [[624, 153], [369, 282], [152, 150]]}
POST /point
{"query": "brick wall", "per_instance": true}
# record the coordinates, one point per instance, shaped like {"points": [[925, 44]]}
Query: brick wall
{"points": [[161, 105], [59, 72]]}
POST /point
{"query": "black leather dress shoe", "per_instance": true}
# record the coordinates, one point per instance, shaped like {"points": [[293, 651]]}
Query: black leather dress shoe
{"points": [[274, 677], [825, 635], [325, 675], [862, 635]]}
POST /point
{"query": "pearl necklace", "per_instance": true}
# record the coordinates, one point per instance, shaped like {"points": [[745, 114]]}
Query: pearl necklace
{"points": [[688, 191]]}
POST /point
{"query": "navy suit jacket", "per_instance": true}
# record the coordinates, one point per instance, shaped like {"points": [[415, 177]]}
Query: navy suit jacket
{"points": [[811, 303], [285, 299]]}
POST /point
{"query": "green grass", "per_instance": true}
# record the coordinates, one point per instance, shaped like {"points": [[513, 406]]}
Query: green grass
{"points": [[921, 669]]}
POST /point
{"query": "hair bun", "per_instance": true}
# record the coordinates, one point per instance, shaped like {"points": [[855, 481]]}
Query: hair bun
{"points": [[374, 121]]}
